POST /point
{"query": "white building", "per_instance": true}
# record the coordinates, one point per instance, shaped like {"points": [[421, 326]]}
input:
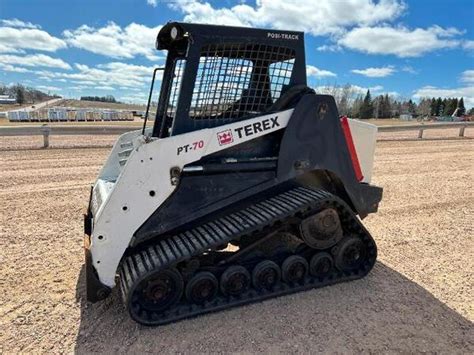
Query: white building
{"points": [[7, 100]]}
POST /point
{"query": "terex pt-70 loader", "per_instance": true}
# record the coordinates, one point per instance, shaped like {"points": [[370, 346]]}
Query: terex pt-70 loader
{"points": [[247, 187]]}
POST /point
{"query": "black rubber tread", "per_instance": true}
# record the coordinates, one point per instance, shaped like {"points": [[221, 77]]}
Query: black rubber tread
{"points": [[262, 215]]}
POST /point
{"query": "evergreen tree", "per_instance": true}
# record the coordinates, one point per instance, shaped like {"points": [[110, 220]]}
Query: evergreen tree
{"points": [[445, 107], [451, 105], [20, 94], [387, 107], [462, 109], [367, 108], [411, 107], [433, 107], [455, 104], [439, 107]]}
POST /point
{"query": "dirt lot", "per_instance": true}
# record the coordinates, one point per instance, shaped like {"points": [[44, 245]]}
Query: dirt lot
{"points": [[419, 297]]}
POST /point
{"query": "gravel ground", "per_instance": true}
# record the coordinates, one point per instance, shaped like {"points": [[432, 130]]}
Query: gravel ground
{"points": [[418, 298]]}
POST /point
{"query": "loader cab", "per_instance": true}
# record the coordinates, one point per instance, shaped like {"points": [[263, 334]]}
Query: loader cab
{"points": [[216, 75]]}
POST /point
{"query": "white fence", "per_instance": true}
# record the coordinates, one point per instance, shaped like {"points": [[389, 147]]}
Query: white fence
{"points": [[420, 128], [47, 131]]}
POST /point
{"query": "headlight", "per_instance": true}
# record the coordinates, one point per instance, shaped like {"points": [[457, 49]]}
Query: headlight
{"points": [[174, 33]]}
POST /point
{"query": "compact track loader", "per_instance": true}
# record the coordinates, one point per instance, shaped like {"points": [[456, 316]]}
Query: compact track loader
{"points": [[248, 186]]}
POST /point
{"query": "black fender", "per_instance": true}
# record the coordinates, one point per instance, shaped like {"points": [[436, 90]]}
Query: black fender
{"points": [[314, 141]]}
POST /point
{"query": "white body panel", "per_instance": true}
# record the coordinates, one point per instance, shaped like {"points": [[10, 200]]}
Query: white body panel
{"points": [[364, 136], [111, 169], [128, 203]]}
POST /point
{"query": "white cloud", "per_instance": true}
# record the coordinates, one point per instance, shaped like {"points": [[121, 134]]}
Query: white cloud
{"points": [[104, 87], [329, 48], [409, 69], [466, 92], [399, 41], [376, 88], [355, 89], [152, 2], [376, 72], [34, 60], [321, 18], [468, 45], [14, 22], [468, 76], [11, 68], [134, 98], [361, 25], [48, 88], [7, 49], [114, 41], [312, 71], [137, 70], [15, 40], [114, 74], [77, 88]]}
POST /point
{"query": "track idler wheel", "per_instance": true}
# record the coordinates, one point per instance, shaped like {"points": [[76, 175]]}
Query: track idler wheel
{"points": [[202, 288], [235, 280], [351, 254], [265, 275], [159, 291], [294, 269], [322, 230], [321, 265]]}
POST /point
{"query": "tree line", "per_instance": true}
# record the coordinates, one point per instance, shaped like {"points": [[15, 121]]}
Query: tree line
{"points": [[353, 104], [108, 98], [24, 94]]}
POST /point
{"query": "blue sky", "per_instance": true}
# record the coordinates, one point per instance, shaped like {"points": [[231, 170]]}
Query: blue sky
{"points": [[410, 49]]}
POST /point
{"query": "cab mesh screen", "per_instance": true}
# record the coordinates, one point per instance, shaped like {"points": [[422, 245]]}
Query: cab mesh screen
{"points": [[237, 80]]}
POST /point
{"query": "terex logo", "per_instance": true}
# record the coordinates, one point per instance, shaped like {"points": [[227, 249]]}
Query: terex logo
{"points": [[225, 137], [257, 127]]}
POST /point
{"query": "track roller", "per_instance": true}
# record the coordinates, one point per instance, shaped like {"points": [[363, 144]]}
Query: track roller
{"points": [[351, 254], [158, 291], [321, 265], [265, 275], [235, 280], [294, 269], [202, 287]]}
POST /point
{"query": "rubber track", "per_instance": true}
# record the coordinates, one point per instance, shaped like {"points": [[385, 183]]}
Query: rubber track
{"points": [[262, 215]]}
